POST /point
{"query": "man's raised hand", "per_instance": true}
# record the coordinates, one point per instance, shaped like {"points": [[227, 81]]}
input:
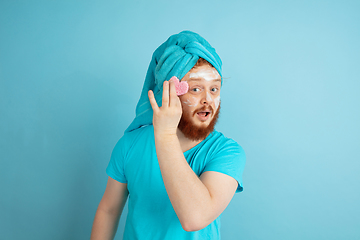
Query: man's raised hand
{"points": [[167, 117]]}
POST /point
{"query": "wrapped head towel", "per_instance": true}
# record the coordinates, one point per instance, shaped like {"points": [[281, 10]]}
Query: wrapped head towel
{"points": [[175, 57]]}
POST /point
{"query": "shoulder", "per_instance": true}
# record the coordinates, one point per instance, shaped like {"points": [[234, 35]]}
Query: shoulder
{"points": [[219, 143], [226, 156], [130, 138]]}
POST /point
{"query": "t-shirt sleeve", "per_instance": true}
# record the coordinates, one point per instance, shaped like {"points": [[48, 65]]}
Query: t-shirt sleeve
{"points": [[229, 160], [115, 168]]}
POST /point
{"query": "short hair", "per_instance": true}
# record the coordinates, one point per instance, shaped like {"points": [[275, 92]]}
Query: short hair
{"points": [[202, 62]]}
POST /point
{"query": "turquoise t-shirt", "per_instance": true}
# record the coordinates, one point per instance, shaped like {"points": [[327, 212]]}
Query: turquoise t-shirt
{"points": [[150, 213]]}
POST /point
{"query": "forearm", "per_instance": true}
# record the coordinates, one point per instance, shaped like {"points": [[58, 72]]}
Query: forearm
{"points": [[190, 198], [105, 225]]}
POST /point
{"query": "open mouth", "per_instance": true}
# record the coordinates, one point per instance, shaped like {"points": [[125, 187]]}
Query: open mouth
{"points": [[203, 115]]}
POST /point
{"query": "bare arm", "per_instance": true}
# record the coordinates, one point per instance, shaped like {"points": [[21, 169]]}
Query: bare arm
{"points": [[196, 201], [109, 210]]}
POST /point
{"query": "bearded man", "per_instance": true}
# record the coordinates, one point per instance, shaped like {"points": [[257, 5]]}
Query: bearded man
{"points": [[178, 173]]}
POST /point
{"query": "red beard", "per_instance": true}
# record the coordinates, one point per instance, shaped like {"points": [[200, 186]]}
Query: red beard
{"points": [[194, 132]]}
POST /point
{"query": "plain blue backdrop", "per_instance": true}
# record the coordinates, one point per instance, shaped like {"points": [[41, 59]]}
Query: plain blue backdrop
{"points": [[71, 73]]}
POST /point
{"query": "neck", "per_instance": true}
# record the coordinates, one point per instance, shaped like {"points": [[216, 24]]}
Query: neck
{"points": [[186, 143]]}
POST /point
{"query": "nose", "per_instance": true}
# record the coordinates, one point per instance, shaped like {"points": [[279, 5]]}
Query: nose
{"points": [[206, 98]]}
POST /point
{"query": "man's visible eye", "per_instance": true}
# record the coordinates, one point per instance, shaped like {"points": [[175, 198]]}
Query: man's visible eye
{"points": [[214, 89], [195, 89]]}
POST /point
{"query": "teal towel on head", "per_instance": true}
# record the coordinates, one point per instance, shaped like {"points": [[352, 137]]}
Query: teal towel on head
{"points": [[175, 57]]}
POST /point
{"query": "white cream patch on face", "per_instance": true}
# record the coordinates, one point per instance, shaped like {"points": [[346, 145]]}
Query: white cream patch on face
{"points": [[195, 101], [206, 74], [188, 102], [217, 102], [191, 102]]}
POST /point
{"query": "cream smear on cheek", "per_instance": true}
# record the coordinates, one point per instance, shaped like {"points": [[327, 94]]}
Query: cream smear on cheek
{"points": [[191, 102], [207, 74], [217, 102]]}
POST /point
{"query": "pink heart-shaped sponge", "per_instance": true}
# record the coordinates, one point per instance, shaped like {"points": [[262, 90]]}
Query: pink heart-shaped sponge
{"points": [[181, 87]]}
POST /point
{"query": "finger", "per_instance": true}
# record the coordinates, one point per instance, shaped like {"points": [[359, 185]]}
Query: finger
{"points": [[165, 98], [174, 99], [153, 102]]}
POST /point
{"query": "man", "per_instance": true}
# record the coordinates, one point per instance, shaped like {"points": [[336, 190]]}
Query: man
{"points": [[179, 173]]}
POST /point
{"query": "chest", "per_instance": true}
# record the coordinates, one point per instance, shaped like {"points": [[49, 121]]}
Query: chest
{"points": [[143, 172]]}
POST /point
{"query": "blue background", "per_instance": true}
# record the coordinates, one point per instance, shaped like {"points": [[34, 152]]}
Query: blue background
{"points": [[71, 73]]}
